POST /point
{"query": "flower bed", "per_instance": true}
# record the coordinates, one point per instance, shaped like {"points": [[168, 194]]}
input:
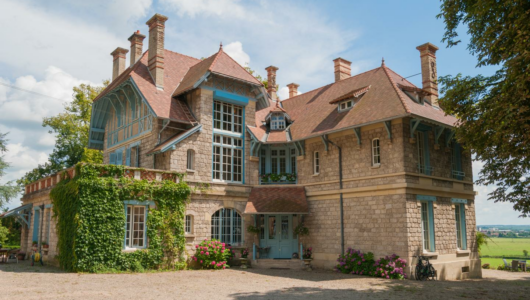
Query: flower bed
{"points": [[212, 254], [356, 262]]}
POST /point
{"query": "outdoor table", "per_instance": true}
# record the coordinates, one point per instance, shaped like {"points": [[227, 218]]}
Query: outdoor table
{"points": [[522, 264], [4, 252], [518, 263]]}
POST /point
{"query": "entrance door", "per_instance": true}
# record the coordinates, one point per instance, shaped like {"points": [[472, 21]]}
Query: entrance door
{"points": [[285, 233], [279, 236]]}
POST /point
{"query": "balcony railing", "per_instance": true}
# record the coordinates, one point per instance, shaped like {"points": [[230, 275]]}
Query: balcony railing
{"points": [[427, 170], [458, 175], [284, 178]]}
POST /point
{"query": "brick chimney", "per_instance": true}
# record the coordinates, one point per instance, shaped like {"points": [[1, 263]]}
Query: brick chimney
{"points": [[293, 89], [156, 48], [429, 74], [118, 61], [342, 69], [271, 81], [137, 43]]}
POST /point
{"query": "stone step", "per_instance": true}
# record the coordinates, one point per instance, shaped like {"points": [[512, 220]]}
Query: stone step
{"points": [[293, 264]]}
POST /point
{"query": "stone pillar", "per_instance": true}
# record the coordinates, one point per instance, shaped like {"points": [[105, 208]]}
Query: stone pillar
{"points": [[118, 61], [342, 69], [271, 81], [429, 73], [137, 43], [156, 48], [293, 89]]}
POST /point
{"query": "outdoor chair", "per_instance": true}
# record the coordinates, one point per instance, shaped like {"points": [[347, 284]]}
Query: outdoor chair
{"points": [[506, 265], [12, 256]]}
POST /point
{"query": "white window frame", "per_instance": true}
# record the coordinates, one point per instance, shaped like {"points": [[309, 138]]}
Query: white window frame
{"points": [[316, 163], [129, 226], [345, 105], [277, 121], [190, 159], [188, 224], [228, 226], [425, 227], [226, 151], [228, 117], [376, 152]]}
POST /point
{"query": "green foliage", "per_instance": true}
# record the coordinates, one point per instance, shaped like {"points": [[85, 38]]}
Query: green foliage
{"points": [[91, 220], [8, 190], [253, 229], [485, 266], [525, 252], [14, 228], [301, 230], [4, 232], [493, 111], [356, 262], [212, 254], [481, 240], [71, 129]]}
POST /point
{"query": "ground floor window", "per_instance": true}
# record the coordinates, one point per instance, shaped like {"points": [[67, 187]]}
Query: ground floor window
{"points": [[460, 219], [227, 226], [427, 226], [135, 233]]}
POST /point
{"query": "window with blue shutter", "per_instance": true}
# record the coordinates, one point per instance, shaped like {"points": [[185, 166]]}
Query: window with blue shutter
{"points": [[112, 159]]}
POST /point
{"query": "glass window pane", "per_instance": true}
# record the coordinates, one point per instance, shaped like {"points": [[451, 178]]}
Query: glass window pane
{"points": [[285, 227], [272, 227], [425, 225]]}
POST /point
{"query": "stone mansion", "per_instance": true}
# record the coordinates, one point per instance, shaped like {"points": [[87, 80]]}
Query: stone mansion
{"points": [[367, 161]]}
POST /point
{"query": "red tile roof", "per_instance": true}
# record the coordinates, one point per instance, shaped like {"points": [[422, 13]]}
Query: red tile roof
{"points": [[352, 94], [277, 200]]}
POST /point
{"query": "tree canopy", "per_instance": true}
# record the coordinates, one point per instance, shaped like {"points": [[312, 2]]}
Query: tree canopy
{"points": [[71, 129], [7, 191], [493, 111]]}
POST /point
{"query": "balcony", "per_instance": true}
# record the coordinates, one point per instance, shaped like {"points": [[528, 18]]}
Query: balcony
{"points": [[427, 170], [446, 173], [272, 178], [459, 175]]}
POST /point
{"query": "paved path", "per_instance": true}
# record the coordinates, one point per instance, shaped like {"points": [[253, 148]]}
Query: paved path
{"points": [[25, 282]]}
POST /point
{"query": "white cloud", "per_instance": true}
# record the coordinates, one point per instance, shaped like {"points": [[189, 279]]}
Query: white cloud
{"points": [[220, 8], [283, 93], [235, 50]]}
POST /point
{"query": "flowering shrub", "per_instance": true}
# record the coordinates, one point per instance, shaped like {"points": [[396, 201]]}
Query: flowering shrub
{"points": [[356, 262], [308, 252], [212, 254], [244, 253]]}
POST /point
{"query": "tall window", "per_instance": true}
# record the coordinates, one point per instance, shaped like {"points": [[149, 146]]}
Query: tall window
{"points": [[293, 160], [420, 142], [277, 121], [427, 226], [278, 161], [190, 161], [228, 150], [316, 163], [376, 155], [135, 234], [456, 161], [134, 156], [460, 226], [263, 161], [227, 226], [188, 228]]}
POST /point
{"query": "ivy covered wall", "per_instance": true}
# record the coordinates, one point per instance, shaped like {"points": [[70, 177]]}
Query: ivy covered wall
{"points": [[89, 210]]}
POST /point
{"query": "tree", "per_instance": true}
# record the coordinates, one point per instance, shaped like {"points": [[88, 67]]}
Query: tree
{"points": [[525, 252], [493, 111], [8, 190], [71, 129], [481, 240], [258, 77]]}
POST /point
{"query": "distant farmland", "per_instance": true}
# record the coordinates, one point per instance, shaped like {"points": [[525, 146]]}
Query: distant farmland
{"points": [[504, 247]]}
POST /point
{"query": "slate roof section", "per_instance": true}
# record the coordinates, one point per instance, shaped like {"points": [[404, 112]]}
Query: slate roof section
{"points": [[279, 200], [174, 139], [384, 101]]}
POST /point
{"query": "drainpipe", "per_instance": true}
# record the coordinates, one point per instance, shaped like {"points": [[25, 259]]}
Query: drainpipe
{"points": [[341, 195]]}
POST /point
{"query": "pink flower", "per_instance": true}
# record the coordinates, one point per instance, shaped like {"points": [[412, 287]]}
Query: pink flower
{"points": [[201, 261], [207, 253], [215, 252], [387, 277], [196, 246], [224, 267], [202, 252], [213, 262], [223, 244]]}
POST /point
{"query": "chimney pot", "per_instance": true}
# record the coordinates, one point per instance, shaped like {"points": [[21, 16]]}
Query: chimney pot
{"points": [[156, 48], [429, 73], [342, 69], [137, 44], [293, 89], [118, 61], [271, 81]]}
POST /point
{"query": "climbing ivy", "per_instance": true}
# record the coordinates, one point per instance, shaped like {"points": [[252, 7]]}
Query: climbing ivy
{"points": [[90, 216]]}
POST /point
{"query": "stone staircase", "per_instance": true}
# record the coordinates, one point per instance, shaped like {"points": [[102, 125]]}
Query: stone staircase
{"points": [[293, 264]]}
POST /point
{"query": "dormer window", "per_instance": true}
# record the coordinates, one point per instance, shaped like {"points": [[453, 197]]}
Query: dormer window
{"points": [[345, 105], [416, 97], [277, 121]]}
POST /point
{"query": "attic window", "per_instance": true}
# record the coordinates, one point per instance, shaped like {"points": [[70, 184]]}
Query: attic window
{"points": [[277, 121], [345, 105], [416, 97]]}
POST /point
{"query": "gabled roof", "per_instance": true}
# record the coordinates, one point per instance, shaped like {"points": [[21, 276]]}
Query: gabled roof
{"points": [[175, 139], [384, 101], [219, 63], [351, 94], [281, 200]]}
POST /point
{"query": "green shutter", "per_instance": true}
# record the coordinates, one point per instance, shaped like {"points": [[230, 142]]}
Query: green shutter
{"points": [[463, 226]]}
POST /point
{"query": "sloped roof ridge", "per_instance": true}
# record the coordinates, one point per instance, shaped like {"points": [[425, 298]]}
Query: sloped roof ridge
{"points": [[180, 54], [396, 89], [332, 83], [240, 66], [403, 78], [215, 59]]}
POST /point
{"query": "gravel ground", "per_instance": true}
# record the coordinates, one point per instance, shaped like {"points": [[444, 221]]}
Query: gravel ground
{"points": [[21, 281]]}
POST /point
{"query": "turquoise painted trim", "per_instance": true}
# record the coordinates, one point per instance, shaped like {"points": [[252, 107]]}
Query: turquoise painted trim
{"points": [[17, 210], [463, 226], [130, 138], [325, 142], [457, 200], [137, 202], [48, 206], [179, 139], [357, 132], [125, 228], [37, 208], [230, 98], [388, 126], [413, 126], [253, 251], [36, 224], [425, 198], [448, 137], [243, 158], [98, 129], [432, 240], [141, 96], [96, 142]]}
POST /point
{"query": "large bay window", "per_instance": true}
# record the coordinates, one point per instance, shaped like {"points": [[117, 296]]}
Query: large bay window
{"points": [[227, 226], [228, 117]]}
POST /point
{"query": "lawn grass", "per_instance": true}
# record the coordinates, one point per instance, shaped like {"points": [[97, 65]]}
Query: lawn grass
{"points": [[506, 247], [494, 262]]}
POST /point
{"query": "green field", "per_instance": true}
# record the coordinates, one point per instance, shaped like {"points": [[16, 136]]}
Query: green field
{"points": [[504, 247]]}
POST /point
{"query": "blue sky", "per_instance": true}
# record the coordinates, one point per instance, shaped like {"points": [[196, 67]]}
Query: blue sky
{"points": [[51, 46]]}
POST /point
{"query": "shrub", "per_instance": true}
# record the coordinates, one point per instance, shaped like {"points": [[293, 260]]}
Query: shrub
{"points": [[485, 266], [244, 253], [356, 262], [211, 254], [308, 252], [500, 267]]}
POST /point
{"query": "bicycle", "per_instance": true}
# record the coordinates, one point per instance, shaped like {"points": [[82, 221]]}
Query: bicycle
{"points": [[424, 269]]}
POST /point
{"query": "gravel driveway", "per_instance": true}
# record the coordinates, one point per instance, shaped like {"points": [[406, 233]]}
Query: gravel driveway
{"points": [[25, 282]]}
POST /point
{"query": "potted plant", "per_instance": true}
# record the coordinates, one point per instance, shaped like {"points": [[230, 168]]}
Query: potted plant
{"points": [[35, 245], [21, 255], [45, 246], [244, 258], [308, 253], [265, 178], [290, 177], [301, 230], [275, 177]]}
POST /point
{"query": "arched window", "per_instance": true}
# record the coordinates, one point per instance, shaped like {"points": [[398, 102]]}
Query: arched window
{"points": [[227, 226], [376, 154], [190, 162]]}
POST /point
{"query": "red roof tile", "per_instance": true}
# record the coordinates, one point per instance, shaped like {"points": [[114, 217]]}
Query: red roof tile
{"points": [[352, 94], [277, 200]]}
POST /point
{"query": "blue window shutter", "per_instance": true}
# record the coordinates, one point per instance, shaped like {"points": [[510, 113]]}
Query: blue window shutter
{"points": [[432, 240], [128, 157], [112, 159], [463, 225], [119, 158]]}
